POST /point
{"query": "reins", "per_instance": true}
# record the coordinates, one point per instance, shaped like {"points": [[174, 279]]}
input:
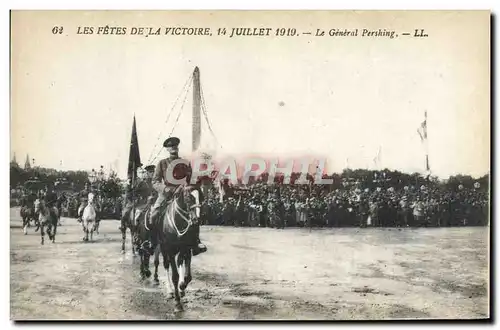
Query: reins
{"points": [[176, 209]]}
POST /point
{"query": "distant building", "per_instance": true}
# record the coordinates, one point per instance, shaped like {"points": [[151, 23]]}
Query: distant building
{"points": [[13, 162], [27, 164]]}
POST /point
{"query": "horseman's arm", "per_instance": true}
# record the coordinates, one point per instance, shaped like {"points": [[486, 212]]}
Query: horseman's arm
{"points": [[158, 180]]}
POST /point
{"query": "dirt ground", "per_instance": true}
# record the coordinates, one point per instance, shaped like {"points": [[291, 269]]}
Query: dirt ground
{"points": [[257, 273]]}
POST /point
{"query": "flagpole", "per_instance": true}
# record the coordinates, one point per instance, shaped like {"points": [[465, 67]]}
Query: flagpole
{"points": [[133, 193], [422, 131]]}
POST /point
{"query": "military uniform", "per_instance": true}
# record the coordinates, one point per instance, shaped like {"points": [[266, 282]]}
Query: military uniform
{"points": [[50, 202], [141, 193], [84, 199], [166, 189], [129, 203]]}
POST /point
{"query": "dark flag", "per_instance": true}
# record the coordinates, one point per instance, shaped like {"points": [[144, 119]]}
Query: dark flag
{"points": [[134, 158]]}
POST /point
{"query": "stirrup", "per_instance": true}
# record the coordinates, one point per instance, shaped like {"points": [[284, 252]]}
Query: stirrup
{"points": [[199, 248]]}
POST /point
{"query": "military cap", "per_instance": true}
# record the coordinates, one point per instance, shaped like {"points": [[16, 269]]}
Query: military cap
{"points": [[150, 168], [171, 142]]}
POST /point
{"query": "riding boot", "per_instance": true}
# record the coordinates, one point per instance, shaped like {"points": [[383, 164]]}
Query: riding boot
{"points": [[199, 247]]}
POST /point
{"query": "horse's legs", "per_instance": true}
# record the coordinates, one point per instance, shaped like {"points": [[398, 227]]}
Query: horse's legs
{"points": [[41, 233], [187, 264], [49, 230], [133, 238], [175, 280], [142, 259], [147, 272], [144, 255], [157, 263], [124, 235], [182, 273], [54, 234], [166, 265], [25, 225], [184, 264], [86, 230]]}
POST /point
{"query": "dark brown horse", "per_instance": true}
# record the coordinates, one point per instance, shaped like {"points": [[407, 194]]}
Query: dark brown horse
{"points": [[173, 234], [132, 222], [47, 217], [28, 214]]}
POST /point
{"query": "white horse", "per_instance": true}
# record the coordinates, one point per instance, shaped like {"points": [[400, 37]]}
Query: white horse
{"points": [[89, 218]]}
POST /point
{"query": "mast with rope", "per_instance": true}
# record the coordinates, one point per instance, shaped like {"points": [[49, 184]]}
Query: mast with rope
{"points": [[199, 107], [422, 132], [196, 110]]}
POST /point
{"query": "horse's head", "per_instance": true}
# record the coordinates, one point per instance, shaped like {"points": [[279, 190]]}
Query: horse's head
{"points": [[91, 198], [190, 197]]}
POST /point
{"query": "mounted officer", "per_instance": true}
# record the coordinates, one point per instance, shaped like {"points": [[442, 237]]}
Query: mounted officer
{"points": [[51, 201], [140, 194], [145, 189], [84, 199], [166, 189]]}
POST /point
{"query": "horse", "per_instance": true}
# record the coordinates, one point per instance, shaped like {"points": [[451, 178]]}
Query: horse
{"points": [[89, 217], [46, 217], [173, 235], [28, 214], [132, 222]]}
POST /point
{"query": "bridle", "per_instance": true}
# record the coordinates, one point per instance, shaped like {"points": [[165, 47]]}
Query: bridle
{"points": [[188, 215]]}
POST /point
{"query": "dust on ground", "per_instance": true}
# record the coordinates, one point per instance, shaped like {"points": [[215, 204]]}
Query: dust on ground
{"points": [[257, 273]]}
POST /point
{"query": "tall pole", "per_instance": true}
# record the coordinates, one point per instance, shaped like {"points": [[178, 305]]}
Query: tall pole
{"points": [[427, 167], [196, 110]]}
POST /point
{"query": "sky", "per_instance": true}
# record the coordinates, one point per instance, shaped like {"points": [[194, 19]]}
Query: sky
{"points": [[73, 97]]}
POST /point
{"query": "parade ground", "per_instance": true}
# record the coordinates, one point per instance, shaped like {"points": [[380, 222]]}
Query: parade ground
{"points": [[257, 273]]}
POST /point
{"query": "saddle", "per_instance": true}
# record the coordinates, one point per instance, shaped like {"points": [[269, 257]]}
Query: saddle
{"points": [[142, 210], [159, 215]]}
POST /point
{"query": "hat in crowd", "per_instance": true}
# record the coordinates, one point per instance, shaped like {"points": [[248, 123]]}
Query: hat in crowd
{"points": [[150, 168], [171, 142]]}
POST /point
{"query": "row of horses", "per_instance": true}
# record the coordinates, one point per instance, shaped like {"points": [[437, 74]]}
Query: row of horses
{"points": [[47, 218], [171, 234]]}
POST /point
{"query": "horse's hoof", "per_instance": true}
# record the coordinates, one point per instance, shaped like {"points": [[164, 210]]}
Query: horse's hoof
{"points": [[123, 252], [157, 282], [148, 273], [182, 293], [178, 308], [182, 286]]}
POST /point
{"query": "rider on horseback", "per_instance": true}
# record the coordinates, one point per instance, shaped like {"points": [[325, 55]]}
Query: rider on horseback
{"points": [[166, 189], [83, 195], [143, 193], [50, 201]]}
